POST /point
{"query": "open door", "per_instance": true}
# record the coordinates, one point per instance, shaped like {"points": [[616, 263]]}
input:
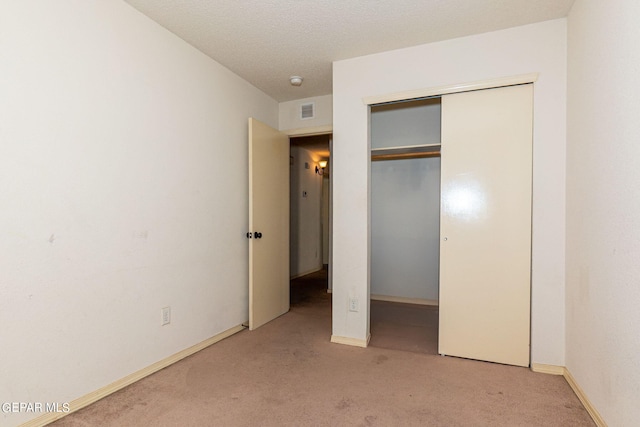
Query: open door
{"points": [[268, 223]]}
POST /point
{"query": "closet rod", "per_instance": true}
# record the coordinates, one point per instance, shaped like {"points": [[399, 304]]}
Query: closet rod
{"points": [[403, 156]]}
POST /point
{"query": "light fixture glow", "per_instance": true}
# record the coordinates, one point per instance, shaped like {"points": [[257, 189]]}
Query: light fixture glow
{"points": [[320, 167], [295, 80]]}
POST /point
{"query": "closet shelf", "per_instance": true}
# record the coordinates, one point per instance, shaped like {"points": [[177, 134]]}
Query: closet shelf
{"points": [[407, 152]]}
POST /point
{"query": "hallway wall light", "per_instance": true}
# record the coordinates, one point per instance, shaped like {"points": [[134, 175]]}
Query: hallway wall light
{"points": [[320, 168]]}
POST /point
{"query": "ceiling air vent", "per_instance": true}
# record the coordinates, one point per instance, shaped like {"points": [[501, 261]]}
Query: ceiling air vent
{"points": [[307, 111]]}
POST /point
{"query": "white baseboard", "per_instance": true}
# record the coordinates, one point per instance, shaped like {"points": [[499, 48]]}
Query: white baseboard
{"points": [[94, 396], [355, 342], [583, 398], [547, 369], [405, 300], [304, 273], [561, 370]]}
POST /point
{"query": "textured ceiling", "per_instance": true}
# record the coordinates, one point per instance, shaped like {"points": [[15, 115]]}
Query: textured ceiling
{"points": [[266, 41]]}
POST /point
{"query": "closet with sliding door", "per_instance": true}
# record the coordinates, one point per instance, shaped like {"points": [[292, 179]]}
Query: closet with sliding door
{"points": [[451, 215]]}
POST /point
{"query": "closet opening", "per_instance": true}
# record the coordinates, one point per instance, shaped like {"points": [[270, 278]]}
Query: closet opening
{"points": [[405, 224]]}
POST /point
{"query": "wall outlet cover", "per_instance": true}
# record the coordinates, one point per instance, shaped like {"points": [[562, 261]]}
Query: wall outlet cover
{"points": [[166, 315]]}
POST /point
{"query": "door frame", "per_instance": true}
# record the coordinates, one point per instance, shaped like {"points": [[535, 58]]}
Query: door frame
{"points": [[313, 131], [449, 89]]}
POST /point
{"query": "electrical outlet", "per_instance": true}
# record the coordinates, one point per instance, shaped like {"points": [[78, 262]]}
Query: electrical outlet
{"points": [[353, 304], [166, 315]]}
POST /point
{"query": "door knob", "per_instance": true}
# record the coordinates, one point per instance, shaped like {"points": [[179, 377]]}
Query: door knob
{"points": [[258, 235]]}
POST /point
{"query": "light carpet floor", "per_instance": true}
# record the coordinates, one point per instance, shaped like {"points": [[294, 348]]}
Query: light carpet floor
{"points": [[287, 373]]}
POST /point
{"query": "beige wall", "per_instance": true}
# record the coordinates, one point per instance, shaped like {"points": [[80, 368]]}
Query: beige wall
{"points": [[123, 189], [603, 206]]}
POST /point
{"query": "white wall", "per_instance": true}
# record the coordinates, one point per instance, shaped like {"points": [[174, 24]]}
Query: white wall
{"points": [[539, 48], [603, 206], [405, 203], [123, 186], [326, 194], [306, 222], [289, 113]]}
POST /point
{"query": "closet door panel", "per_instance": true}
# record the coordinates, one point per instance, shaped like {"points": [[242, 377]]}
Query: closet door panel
{"points": [[485, 225]]}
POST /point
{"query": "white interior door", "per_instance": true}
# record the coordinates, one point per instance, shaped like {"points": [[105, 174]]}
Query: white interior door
{"points": [[485, 225], [268, 223]]}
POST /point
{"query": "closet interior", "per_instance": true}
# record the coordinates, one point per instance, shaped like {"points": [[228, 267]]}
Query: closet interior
{"points": [[405, 213]]}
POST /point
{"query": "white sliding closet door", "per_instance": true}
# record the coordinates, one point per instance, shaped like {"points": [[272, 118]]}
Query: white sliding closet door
{"points": [[485, 224]]}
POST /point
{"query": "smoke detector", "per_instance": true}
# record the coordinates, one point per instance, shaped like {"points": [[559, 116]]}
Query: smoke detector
{"points": [[295, 80]]}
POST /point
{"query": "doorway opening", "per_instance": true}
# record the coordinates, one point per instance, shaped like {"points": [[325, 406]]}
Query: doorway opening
{"points": [[310, 221]]}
